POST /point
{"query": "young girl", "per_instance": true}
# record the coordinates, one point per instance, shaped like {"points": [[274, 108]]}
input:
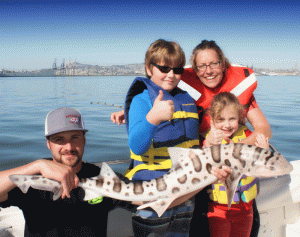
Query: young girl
{"points": [[228, 123]]}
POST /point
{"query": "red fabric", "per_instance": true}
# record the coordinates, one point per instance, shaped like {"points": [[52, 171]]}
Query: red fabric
{"points": [[229, 223], [233, 77]]}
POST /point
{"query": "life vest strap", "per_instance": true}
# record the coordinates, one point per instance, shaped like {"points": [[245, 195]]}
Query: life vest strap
{"points": [[162, 166], [185, 115], [244, 85], [163, 151], [247, 186], [153, 163]]}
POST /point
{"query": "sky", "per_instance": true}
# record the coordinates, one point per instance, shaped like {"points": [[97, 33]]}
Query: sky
{"points": [[33, 33]]}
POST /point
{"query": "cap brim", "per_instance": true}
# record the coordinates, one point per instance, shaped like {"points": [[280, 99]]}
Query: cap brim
{"points": [[65, 130]]}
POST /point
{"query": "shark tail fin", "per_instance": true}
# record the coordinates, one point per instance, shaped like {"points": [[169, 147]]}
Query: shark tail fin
{"points": [[17, 180], [159, 206]]}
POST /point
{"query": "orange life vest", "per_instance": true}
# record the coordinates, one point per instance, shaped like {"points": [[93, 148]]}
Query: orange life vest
{"points": [[240, 81]]}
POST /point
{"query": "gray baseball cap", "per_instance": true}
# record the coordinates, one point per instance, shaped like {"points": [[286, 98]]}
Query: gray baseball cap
{"points": [[62, 120]]}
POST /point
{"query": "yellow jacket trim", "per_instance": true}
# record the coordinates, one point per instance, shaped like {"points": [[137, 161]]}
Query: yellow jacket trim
{"points": [[151, 163], [184, 114]]}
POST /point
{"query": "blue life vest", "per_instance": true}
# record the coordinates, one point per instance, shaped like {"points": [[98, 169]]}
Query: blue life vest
{"points": [[181, 131]]}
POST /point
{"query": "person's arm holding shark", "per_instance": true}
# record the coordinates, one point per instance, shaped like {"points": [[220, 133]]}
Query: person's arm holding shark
{"points": [[47, 168]]}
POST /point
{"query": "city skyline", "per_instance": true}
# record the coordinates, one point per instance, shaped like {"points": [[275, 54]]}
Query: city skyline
{"points": [[35, 32]]}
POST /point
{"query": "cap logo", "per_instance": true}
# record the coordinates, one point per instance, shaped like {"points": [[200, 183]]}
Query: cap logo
{"points": [[73, 118]]}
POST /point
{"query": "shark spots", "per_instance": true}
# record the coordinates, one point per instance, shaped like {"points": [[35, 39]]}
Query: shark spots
{"points": [[138, 188], [175, 190], [100, 182], [117, 187], [196, 161], [257, 153], [195, 181], [216, 153], [161, 184], [237, 153], [178, 167], [182, 179], [208, 168], [227, 162], [269, 157]]}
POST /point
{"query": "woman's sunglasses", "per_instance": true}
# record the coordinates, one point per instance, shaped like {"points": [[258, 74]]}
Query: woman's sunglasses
{"points": [[165, 69]]}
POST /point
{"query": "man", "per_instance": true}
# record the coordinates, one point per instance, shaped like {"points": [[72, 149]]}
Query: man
{"points": [[69, 215]]}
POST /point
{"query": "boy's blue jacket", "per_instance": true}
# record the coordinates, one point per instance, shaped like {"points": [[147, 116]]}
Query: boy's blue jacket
{"points": [[181, 131]]}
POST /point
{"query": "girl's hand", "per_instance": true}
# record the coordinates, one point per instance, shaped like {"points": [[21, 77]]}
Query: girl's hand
{"points": [[221, 174], [214, 137]]}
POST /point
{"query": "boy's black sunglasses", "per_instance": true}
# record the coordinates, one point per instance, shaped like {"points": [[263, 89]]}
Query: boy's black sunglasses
{"points": [[165, 69]]}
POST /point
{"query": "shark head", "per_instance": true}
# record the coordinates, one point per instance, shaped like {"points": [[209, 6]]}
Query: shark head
{"points": [[267, 163], [243, 159]]}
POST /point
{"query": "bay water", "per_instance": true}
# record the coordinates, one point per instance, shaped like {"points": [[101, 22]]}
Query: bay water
{"points": [[25, 102]]}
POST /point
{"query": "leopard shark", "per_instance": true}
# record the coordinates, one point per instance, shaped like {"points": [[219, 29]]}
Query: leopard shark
{"points": [[190, 172]]}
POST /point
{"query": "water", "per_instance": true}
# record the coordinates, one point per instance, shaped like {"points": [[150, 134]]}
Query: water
{"points": [[25, 102]]}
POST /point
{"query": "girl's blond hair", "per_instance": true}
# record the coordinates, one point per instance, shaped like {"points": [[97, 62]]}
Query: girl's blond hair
{"points": [[221, 101]]}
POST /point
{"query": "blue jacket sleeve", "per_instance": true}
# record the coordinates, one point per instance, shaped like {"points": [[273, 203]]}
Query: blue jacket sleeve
{"points": [[141, 132]]}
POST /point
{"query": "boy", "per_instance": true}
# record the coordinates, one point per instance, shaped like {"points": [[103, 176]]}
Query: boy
{"points": [[159, 115]]}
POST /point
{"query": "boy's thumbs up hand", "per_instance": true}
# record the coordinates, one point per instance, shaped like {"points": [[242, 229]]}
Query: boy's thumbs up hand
{"points": [[159, 97], [162, 110]]}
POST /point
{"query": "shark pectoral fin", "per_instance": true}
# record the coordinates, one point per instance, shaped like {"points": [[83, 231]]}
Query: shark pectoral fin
{"points": [[90, 194], [231, 184], [159, 206]]}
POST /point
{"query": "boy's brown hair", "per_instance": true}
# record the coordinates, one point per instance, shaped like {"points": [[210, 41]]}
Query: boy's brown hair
{"points": [[168, 52]]}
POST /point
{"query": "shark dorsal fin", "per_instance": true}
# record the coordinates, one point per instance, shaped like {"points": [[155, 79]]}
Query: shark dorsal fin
{"points": [[176, 155], [106, 171]]}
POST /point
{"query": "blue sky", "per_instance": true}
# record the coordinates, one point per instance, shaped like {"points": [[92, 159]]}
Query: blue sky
{"points": [[34, 32]]}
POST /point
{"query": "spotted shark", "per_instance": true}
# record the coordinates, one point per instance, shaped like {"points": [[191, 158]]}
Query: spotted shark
{"points": [[190, 172]]}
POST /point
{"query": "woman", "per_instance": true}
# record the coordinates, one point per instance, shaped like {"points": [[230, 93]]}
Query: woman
{"points": [[211, 73]]}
